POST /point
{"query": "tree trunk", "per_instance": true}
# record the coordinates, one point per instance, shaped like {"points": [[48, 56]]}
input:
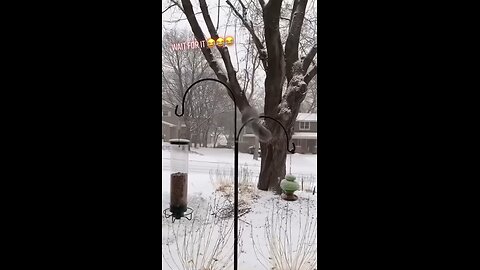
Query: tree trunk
{"points": [[205, 139], [215, 138], [273, 164], [230, 139], [255, 148]]}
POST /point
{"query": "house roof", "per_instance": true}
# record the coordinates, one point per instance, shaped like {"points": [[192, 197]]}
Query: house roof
{"points": [[168, 124], [307, 117], [305, 135], [172, 125], [296, 135], [164, 103]]}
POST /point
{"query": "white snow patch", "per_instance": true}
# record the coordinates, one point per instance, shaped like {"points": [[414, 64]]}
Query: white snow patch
{"points": [[298, 77], [285, 110], [307, 117]]}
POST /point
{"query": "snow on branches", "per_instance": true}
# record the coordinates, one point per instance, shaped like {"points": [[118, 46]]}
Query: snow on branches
{"points": [[295, 93]]}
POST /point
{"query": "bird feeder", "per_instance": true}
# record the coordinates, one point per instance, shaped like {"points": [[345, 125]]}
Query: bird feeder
{"points": [[179, 180], [289, 186]]}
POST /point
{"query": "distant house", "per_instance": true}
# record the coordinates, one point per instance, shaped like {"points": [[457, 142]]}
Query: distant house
{"points": [[305, 133], [304, 136], [172, 125]]}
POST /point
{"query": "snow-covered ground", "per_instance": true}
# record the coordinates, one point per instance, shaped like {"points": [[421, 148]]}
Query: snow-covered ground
{"points": [[266, 229]]}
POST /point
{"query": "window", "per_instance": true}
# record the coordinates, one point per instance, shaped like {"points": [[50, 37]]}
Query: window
{"points": [[166, 113], [304, 125]]}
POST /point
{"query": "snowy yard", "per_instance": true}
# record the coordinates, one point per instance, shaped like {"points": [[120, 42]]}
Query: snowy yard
{"points": [[273, 231]]}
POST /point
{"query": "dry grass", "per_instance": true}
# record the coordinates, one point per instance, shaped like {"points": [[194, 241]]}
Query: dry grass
{"points": [[223, 180], [308, 183], [287, 248], [205, 242]]}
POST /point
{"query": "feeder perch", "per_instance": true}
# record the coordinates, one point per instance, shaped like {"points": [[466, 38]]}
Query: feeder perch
{"points": [[289, 186], [179, 181]]}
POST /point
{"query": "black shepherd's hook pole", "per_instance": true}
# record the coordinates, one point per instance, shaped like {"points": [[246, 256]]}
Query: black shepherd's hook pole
{"points": [[235, 184], [235, 187]]}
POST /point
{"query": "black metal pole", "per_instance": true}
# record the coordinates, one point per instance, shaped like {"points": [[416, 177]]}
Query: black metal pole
{"points": [[235, 161], [237, 136], [235, 209]]}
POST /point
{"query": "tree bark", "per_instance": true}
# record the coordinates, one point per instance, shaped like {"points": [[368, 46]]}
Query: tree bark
{"points": [[291, 45], [273, 165], [205, 137], [255, 149], [274, 153]]}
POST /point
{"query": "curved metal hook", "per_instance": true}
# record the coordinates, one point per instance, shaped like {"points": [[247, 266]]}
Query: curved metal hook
{"points": [[201, 80], [286, 134], [268, 117], [176, 113]]}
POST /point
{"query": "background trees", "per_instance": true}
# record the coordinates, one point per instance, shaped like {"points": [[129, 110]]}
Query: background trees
{"points": [[180, 69]]}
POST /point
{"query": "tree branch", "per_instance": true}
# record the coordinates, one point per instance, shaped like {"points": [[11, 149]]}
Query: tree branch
{"points": [[208, 19], [218, 15], [262, 4], [241, 101], [172, 5], [178, 20], [250, 29], [198, 33], [309, 76], [223, 50], [293, 39], [309, 58], [175, 2], [243, 8], [294, 96], [276, 64]]}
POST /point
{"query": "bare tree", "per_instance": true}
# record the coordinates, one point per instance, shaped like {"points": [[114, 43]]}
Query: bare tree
{"points": [[181, 68], [287, 75]]}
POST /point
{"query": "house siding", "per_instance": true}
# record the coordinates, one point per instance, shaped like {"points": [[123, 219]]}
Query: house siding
{"points": [[313, 127], [302, 146]]}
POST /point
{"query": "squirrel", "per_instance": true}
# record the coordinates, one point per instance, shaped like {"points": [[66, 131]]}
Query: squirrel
{"points": [[263, 134]]}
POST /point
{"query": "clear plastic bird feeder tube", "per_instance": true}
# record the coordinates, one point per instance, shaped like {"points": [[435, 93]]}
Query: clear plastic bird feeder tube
{"points": [[179, 181]]}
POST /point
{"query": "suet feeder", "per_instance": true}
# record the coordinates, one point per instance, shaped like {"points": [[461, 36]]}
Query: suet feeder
{"points": [[179, 180]]}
